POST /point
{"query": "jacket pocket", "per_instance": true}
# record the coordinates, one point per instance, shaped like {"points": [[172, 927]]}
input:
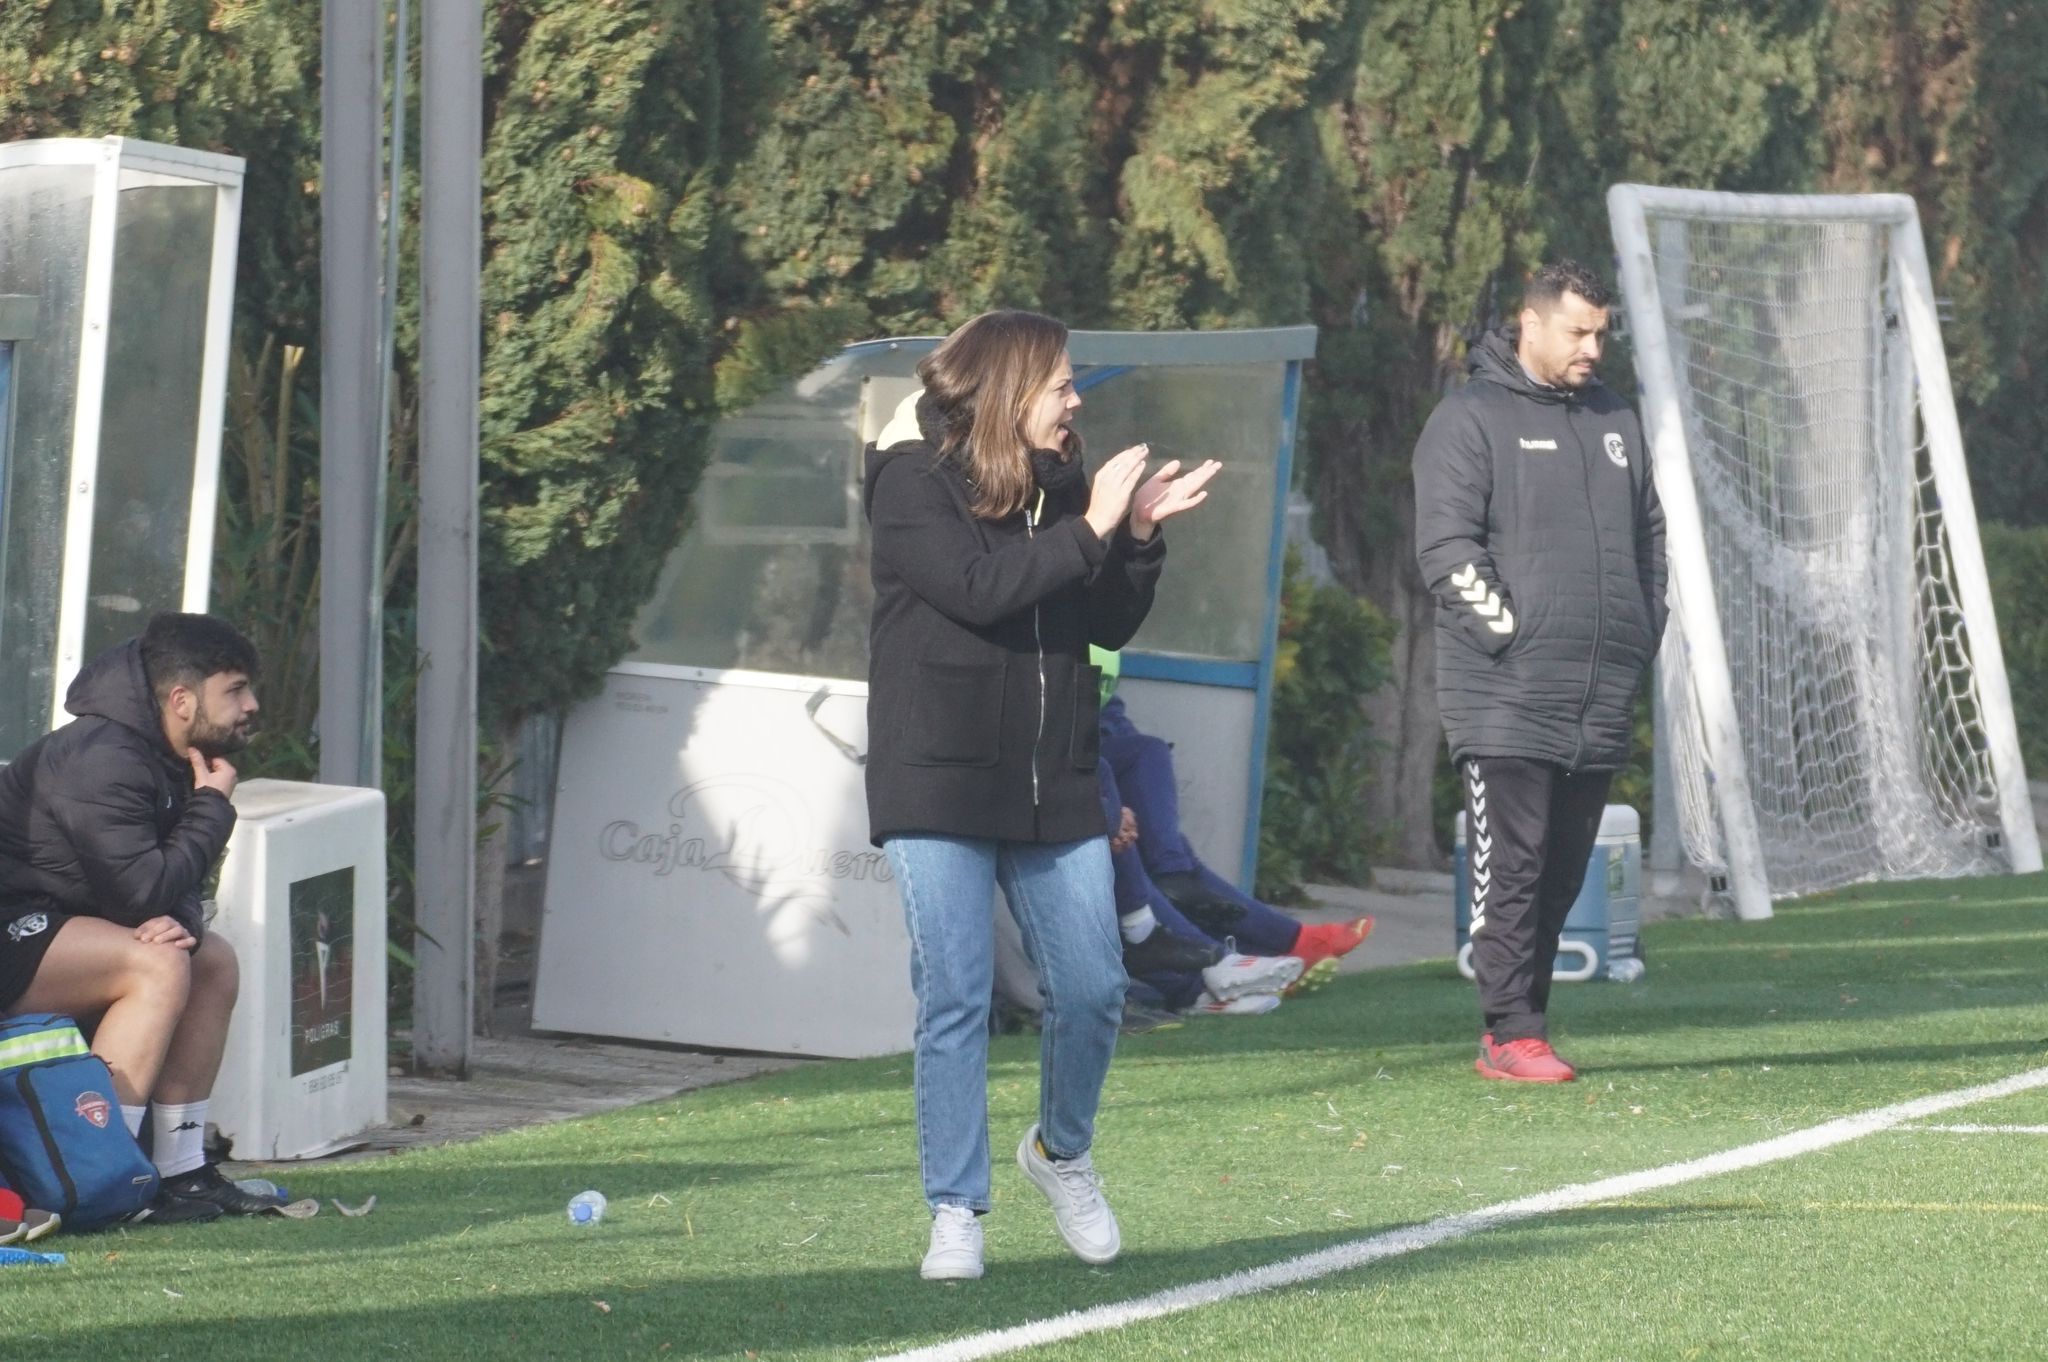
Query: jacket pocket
{"points": [[958, 714], [1086, 746]]}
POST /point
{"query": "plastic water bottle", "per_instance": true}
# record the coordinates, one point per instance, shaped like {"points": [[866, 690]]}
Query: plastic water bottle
{"points": [[263, 1187], [586, 1208], [1625, 969]]}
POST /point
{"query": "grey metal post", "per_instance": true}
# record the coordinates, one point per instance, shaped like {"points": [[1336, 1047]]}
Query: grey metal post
{"points": [[351, 137], [451, 259]]}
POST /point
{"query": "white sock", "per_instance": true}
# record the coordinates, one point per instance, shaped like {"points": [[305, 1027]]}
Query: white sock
{"points": [[180, 1131], [1138, 925], [132, 1116]]}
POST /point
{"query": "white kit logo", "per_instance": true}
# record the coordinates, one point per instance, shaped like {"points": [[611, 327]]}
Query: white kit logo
{"points": [[26, 926], [1539, 444], [1616, 451]]}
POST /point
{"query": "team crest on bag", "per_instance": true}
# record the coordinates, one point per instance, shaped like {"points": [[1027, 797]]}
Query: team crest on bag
{"points": [[94, 1108], [26, 926], [1617, 453]]}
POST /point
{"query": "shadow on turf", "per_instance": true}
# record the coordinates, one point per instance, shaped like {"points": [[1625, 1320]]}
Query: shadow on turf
{"points": [[871, 1309]]}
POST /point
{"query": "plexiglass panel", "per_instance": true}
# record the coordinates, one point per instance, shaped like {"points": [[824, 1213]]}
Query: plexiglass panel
{"points": [[44, 212], [150, 417], [1212, 597], [772, 574]]}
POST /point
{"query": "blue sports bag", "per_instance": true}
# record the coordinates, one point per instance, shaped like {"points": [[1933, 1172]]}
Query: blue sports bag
{"points": [[63, 1145]]}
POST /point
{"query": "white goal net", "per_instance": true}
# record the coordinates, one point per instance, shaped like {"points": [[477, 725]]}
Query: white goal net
{"points": [[1835, 698]]}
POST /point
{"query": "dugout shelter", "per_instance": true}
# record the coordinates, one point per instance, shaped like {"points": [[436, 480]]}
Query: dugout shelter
{"points": [[710, 879]]}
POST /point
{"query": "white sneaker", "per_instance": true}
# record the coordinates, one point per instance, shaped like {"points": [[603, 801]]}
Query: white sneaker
{"points": [[955, 1252], [1250, 1005], [1237, 975], [1075, 1191]]}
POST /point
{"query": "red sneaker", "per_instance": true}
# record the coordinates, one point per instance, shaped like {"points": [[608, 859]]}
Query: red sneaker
{"points": [[1528, 1060], [1328, 940]]}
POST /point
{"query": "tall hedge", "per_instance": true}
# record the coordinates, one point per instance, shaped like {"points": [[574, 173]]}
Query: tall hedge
{"points": [[686, 199], [2016, 558], [240, 79], [609, 267], [1947, 100]]}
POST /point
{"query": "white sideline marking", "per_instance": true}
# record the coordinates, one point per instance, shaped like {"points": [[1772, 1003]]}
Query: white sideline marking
{"points": [[1981, 1130], [1414, 1238]]}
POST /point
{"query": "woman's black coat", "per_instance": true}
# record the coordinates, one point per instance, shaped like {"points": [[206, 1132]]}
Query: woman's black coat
{"points": [[981, 701]]}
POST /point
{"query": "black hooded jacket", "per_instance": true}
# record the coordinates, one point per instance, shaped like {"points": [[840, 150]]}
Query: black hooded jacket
{"points": [[981, 700], [1537, 527], [100, 818]]}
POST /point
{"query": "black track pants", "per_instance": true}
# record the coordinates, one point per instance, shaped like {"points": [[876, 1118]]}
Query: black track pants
{"points": [[1529, 827]]}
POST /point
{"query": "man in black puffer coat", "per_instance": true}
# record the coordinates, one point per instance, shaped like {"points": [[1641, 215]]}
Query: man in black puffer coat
{"points": [[108, 829], [1538, 529]]}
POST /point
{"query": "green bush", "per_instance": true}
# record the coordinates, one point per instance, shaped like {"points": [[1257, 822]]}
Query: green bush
{"points": [[2017, 561], [1320, 753]]}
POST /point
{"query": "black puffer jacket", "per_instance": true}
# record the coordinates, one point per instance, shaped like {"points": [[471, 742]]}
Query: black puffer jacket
{"points": [[1538, 529], [981, 700], [100, 818]]}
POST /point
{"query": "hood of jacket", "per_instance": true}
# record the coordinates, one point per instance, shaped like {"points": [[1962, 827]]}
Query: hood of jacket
{"points": [[1494, 359], [115, 686], [1059, 476]]}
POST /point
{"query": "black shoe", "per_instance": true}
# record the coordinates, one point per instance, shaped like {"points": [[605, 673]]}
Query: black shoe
{"points": [[1215, 916], [1199, 903], [1164, 953], [205, 1186], [168, 1208], [1139, 1018]]}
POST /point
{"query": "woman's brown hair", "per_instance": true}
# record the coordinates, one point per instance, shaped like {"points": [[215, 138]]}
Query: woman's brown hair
{"points": [[983, 379]]}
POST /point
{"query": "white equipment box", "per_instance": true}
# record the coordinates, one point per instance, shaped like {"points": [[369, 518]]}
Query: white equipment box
{"points": [[710, 880], [302, 900]]}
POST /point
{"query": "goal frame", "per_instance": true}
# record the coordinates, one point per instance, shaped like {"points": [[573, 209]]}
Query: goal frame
{"points": [[1692, 585]]}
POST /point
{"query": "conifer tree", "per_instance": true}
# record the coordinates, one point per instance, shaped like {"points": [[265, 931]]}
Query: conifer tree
{"points": [[607, 268], [233, 78], [1945, 100]]}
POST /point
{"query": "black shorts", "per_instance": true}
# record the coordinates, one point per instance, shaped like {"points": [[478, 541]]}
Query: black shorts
{"points": [[25, 935]]}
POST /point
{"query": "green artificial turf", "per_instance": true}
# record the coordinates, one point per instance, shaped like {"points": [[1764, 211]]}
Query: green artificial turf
{"points": [[781, 1218]]}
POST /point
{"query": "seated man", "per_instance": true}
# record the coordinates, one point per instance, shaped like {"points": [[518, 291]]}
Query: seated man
{"points": [[1139, 767], [108, 828]]}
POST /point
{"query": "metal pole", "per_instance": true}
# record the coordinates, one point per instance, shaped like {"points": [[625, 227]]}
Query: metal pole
{"points": [[351, 134], [387, 331], [451, 259]]}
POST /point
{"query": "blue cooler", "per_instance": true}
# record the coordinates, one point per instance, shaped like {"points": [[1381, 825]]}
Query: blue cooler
{"points": [[1607, 914]]}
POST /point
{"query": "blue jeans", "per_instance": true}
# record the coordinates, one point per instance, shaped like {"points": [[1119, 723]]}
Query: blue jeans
{"points": [[1060, 895]]}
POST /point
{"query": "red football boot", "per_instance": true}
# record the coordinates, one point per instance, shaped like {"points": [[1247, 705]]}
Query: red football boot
{"points": [[1528, 1060], [1328, 940]]}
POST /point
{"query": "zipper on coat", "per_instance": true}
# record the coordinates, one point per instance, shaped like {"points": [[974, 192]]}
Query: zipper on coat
{"points": [[1038, 641], [1571, 411]]}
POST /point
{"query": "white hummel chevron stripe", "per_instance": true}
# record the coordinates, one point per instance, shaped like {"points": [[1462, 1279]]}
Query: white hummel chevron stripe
{"points": [[1505, 624], [1469, 575]]}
